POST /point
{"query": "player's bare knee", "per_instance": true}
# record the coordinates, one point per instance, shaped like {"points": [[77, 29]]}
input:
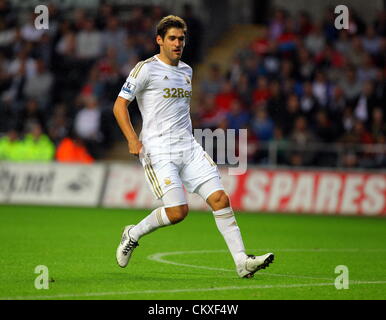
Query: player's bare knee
{"points": [[177, 214], [219, 200]]}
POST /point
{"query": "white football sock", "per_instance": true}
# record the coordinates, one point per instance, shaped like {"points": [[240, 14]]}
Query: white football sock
{"points": [[158, 218], [227, 225]]}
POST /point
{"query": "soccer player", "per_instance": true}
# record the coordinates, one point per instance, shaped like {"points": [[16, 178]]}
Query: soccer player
{"points": [[168, 152]]}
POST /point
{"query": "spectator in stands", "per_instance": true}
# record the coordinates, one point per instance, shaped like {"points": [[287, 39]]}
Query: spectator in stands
{"points": [[348, 120], [254, 67], [366, 102], [277, 23], [59, 123], [281, 144], [260, 46], [29, 114], [23, 62], [261, 93], [6, 13], [304, 23], [225, 96], [243, 90], [5, 78], [351, 85], [88, 41], [113, 36], [342, 44], [288, 39], [349, 160], [192, 51], [39, 85], [36, 145], [378, 124], [328, 24], [315, 41], [356, 25], [358, 135], [134, 24], [213, 83], [66, 44], [356, 55], [87, 125], [104, 14], [337, 102], [325, 130], [380, 88], [367, 71], [371, 41], [380, 157], [108, 74], [262, 125], [287, 70], [271, 60], [72, 149], [301, 136], [380, 23], [321, 89], [237, 117], [253, 147], [329, 58], [210, 115], [10, 146], [291, 112], [44, 49], [28, 30], [306, 66], [308, 102], [276, 102]]}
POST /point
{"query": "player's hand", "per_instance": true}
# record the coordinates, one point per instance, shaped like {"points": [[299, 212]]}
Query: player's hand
{"points": [[135, 147]]}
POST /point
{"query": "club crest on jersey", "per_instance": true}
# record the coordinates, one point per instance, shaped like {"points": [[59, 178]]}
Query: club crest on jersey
{"points": [[128, 87]]}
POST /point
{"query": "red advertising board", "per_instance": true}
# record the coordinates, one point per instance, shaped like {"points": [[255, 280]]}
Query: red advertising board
{"points": [[310, 192], [260, 190]]}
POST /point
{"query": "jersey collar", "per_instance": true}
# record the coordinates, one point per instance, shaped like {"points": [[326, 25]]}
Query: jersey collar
{"points": [[168, 65]]}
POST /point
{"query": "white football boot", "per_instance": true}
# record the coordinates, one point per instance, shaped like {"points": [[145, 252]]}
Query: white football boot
{"points": [[126, 247], [253, 263]]}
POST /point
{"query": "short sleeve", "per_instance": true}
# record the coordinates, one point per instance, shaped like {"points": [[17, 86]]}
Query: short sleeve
{"points": [[135, 82]]}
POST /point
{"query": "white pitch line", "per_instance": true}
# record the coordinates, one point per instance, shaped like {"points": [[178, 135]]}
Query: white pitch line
{"points": [[97, 294], [159, 257]]}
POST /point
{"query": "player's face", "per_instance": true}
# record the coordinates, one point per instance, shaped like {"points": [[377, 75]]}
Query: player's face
{"points": [[172, 44]]}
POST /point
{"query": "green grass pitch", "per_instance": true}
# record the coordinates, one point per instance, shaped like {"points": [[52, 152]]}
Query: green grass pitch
{"points": [[189, 260]]}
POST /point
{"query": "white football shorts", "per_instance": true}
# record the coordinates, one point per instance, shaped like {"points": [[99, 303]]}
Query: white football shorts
{"points": [[168, 177]]}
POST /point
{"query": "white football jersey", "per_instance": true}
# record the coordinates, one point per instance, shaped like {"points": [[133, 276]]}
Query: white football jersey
{"points": [[163, 95]]}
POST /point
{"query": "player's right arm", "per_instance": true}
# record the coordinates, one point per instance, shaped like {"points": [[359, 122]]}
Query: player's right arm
{"points": [[135, 83], [123, 118]]}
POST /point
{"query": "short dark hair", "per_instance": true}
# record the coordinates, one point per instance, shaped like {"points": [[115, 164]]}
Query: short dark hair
{"points": [[170, 22]]}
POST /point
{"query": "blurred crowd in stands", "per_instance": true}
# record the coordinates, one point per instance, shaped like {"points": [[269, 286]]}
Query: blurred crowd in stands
{"points": [[300, 82], [58, 86], [304, 83]]}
